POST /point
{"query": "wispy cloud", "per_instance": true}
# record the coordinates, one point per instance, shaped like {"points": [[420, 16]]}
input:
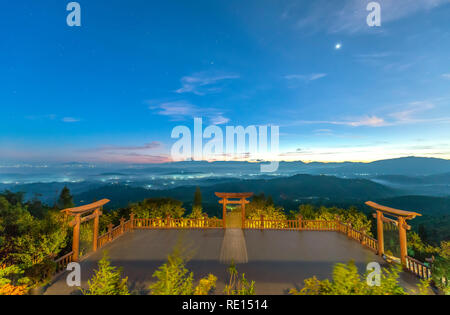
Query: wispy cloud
{"points": [[151, 152], [336, 17], [305, 77], [41, 117], [446, 75], [147, 146], [53, 117], [70, 119], [177, 110], [202, 83], [181, 110], [409, 113], [371, 121], [219, 120]]}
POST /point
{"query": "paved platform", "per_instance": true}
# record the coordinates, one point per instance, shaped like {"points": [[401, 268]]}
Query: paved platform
{"points": [[277, 260]]}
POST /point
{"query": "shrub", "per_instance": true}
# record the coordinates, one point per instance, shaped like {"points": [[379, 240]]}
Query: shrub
{"points": [[347, 281], [107, 280], [238, 285], [175, 279]]}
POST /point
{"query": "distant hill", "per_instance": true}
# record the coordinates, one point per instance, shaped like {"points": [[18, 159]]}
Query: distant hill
{"points": [[424, 205], [435, 218], [295, 188], [409, 166], [418, 180]]}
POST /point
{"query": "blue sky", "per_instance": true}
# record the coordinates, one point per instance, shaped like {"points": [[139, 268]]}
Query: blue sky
{"points": [[113, 89]]}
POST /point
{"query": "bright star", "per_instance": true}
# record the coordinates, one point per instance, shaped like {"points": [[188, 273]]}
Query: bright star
{"points": [[338, 46]]}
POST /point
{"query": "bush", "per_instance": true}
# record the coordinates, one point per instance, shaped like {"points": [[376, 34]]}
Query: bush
{"points": [[107, 280], [41, 273], [175, 279], [12, 281], [158, 208], [441, 268], [238, 285], [347, 281]]}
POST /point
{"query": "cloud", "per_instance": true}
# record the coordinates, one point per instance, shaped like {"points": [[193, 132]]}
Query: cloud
{"points": [[41, 117], [52, 117], [133, 158], [350, 18], [151, 152], [147, 146], [202, 83], [446, 75], [410, 113], [306, 77], [182, 110], [219, 120], [367, 120], [70, 120], [178, 110]]}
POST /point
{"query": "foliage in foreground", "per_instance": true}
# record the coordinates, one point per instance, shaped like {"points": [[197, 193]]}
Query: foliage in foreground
{"points": [[238, 285], [107, 280], [347, 281], [10, 278], [441, 268], [32, 235], [175, 279]]}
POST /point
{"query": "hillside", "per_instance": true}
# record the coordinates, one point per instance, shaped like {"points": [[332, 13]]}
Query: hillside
{"points": [[295, 188]]}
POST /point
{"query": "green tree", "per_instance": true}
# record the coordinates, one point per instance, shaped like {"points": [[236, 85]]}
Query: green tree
{"points": [[441, 268], [197, 209], [65, 199], [158, 208], [197, 197], [107, 280], [173, 277], [260, 205]]}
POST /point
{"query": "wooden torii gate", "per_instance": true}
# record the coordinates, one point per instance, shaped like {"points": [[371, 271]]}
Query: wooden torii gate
{"points": [[401, 216], [225, 200], [79, 214]]}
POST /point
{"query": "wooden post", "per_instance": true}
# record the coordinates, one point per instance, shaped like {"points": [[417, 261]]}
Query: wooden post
{"points": [[110, 236], [402, 238], [299, 222], [122, 225], [76, 238], [349, 229], [131, 221], [225, 213], [262, 221], [96, 223], [168, 221], [380, 234], [243, 211]]}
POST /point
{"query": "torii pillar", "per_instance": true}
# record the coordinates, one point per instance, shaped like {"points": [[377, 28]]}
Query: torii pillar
{"points": [[401, 216], [78, 213]]}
